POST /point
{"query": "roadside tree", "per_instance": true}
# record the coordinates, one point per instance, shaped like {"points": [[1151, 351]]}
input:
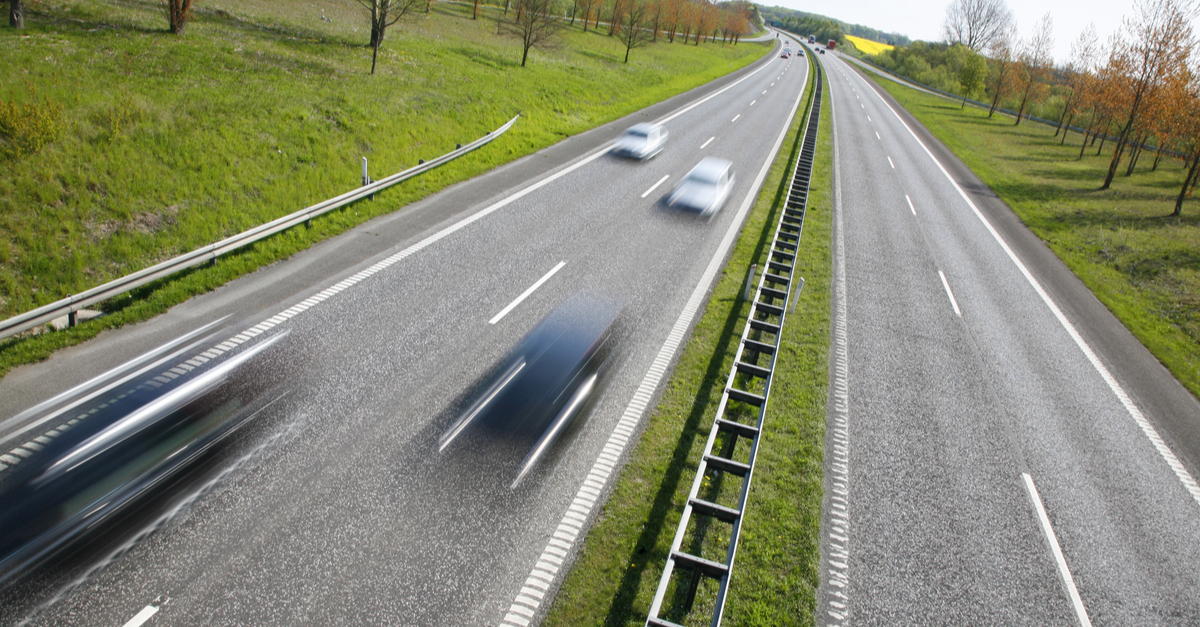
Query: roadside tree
{"points": [[178, 12], [1036, 63], [384, 13], [977, 24], [1001, 77], [16, 13], [634, 33], [535, 24]]}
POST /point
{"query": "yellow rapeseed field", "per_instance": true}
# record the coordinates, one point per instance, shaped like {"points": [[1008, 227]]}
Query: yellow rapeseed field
{"points": [[868, 46]]}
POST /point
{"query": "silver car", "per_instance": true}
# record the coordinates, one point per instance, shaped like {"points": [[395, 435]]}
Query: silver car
{"points": [[706, 188], [641, 141]]}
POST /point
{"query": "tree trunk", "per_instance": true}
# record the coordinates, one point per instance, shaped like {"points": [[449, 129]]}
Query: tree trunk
{"points": [[1066, 128], [475, 16], [374, 55], [574, 7], [16, 13], [1122, 139], [1157, 157], [1083, 146], [1066, 108], [1188, 181]]}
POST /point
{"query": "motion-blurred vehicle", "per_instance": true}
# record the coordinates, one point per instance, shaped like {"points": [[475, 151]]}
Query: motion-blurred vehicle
{"points": [[705, 188], [119, 441], [641, 141], [530, 397]]}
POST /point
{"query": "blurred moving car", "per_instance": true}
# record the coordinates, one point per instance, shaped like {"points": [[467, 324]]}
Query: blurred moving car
{"points": [[532, 395], [706, 188], [641, 141], [120, 442]]}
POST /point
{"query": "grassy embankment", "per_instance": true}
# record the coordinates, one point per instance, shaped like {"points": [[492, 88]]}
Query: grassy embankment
{"points": [[262, 108], [1141, 263], [776, 574]]}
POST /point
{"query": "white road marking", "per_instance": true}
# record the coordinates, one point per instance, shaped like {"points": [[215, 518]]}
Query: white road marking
{"points": [[869, 118], [862, 105], [945, 284], [735, 118], [705, 144], [526, 293], [661, 180], [142, 616], [1164, 451], [1068, 581], [764, 91], [877, 136], [573, 521], [890, 161], [910, 205], [752, 102]]}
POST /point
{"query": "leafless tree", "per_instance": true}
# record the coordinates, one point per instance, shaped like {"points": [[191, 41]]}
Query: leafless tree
{"points": [[384, 13], [977, 23], [633, 26], [534, 24], [178, 12], [1036, 61]]}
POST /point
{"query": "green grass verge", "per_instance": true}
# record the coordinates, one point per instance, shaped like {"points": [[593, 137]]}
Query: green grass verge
{"points": [[1143, 264], [262, 108], [775, 579]]}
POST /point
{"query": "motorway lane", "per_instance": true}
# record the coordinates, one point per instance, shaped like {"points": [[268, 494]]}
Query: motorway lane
{"points": [[961, 384], [349, 515]]}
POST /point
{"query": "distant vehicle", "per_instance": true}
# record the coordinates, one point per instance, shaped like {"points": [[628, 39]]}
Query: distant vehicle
{"points": [[785, 55], [706, 188], [812, 39], [532, 395], [641, 141], [832, 44], [821, 50]]}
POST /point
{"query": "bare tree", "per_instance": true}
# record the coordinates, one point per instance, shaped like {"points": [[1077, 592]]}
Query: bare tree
{"points": [[1159, 40], [1036, 61], [384, 13], [977, 23], [178, 12], [633, 33], [16, 13], [1001, 78], [534, 24]]}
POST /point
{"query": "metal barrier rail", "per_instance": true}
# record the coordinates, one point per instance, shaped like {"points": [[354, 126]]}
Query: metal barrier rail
{"points": [[69, 305], [766, 319]]}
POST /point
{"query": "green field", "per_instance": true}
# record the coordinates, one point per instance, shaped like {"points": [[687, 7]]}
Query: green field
{"points": [[776, 576], [1143, 264], [262, 108]]}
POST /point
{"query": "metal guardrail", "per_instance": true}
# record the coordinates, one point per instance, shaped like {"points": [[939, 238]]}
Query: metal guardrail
{"points": [[764, 323], [71, 304]]}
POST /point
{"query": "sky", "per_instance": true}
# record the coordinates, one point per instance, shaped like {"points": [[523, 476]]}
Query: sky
{"points": [[922, 19]]}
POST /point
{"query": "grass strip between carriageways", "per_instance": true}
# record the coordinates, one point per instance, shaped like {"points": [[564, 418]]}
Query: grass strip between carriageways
{"points": [[1143, 264], [775, 579]]}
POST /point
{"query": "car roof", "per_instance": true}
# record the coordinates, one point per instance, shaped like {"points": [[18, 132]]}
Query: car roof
{"points": [[642, 127], [710, 168]]}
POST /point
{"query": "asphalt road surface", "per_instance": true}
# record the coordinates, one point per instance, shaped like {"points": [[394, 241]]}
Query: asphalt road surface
{"points": [[1000, 450], [335, 506]]}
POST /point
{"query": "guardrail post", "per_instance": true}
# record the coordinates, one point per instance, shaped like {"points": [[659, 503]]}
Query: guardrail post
{"points": [[749, 282], [799, 288], [72, 319], [366, 179]]}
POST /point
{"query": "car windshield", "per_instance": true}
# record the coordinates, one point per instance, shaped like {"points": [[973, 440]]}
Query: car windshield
{"points": [[637, 134]]}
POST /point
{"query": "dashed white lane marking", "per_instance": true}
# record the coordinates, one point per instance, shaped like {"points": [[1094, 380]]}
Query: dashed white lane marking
{"points": [[910, 205], [662, 180], [141, 617], [869, 118], [877, 136], [735, 118], [705, 144], [764, 91], [837, 533], [752, 102], [892, 164], [532, 288], [946, 284], [525, 606], [1164, 451], [1068, 580]]}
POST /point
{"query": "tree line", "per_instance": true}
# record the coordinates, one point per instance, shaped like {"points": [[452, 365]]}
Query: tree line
{"points": [[826, 28], [1141, 89]]}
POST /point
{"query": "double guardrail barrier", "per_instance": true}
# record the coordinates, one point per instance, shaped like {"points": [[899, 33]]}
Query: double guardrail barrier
{"points": [[753, 367], [71, 304]]}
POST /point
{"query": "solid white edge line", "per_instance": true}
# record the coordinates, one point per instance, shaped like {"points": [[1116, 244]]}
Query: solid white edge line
{"points": [[946, 284], [705, 144], [526, 293], [660, 182], [1181, 472], [910, 205], [1068, 580], [601, 470], [142, 616]]}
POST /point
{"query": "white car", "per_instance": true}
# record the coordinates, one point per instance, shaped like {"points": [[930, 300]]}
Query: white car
{"points": [[641, 141], [706, 188]]}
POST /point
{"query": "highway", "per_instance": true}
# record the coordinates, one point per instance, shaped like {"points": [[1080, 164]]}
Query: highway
{"points": [[335, 506], [1000, 450]]}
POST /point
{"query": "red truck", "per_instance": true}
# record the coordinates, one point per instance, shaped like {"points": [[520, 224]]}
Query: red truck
{"points": [[832, 44]]}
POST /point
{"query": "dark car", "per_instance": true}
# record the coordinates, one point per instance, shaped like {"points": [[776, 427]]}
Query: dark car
{"points": [[117, 446], [530, 398]]}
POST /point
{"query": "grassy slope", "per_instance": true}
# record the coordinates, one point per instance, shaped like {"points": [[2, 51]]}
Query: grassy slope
{"points": [[776, 575], [1141, 263], [263, 108]]}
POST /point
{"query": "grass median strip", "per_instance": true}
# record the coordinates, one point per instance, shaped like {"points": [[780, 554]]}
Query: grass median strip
{"points": [[1139, 261], [775, 578]]}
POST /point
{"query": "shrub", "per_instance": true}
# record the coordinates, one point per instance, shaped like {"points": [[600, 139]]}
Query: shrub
{"points": [[26, 128]]}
